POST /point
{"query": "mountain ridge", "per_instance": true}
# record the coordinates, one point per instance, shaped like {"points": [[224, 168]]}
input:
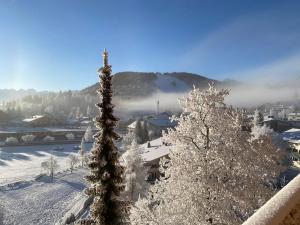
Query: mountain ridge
{"points": [[135, 85]]}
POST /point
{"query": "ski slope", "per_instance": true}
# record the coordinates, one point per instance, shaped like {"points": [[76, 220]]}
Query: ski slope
{"points": [[169, 84]]}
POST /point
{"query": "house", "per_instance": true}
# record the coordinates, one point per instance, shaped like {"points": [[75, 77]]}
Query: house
{"points": [[292, 138], [291, 134], [42, 121], [281, 125], [155, 124], [294, 116], [81, 121], [58, 133], [151, 154]]}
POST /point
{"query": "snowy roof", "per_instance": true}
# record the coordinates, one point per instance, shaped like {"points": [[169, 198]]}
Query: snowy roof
{"points": [[156, 151], [292, 141], [132, 125], [291, 135], [28, 120], [292, 130], [268, 119], [161, 122], [86, 122], [294, 114]]}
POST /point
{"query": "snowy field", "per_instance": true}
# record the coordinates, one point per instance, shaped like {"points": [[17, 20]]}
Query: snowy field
{"points": [[24, 162], [42, 202]]}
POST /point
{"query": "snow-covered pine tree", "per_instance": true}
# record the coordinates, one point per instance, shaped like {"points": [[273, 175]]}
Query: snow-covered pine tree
{"points": [[78, 112], [106, 176], [89, 111], [136, 185], [88, 135], [81, 152], [216, 173], [141, 132], [138, 131], [258, 118]]}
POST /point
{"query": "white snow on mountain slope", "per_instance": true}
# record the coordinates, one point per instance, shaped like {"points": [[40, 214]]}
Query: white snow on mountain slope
{"points": [[24, 162], [168, 84], [42, 202]]}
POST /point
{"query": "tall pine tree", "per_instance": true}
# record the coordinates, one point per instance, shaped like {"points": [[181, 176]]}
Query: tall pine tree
{"points": [[106, 176]]}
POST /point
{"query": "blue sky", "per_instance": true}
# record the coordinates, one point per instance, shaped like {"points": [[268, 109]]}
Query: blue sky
{"points": [[57, 44]]}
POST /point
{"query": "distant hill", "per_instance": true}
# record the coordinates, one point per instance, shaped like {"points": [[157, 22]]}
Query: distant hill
{"points": [[134, 85], [12, 94]]}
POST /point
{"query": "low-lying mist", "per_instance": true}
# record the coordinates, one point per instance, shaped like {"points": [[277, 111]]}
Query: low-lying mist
{"points": [[240, 96]]}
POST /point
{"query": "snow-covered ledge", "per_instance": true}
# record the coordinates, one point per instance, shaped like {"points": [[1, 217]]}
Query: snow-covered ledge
{"points": [[281, 209]]}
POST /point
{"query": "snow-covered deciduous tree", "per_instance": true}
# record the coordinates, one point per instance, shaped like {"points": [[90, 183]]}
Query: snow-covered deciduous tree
{"points": [[81, 153], [258, 118], [88, 135], [259, 131], [216, 173], [11, 140], [135, 174], [73, 161], [48, 139], [51, 165], [70, 136], [106, 173], [29, 138]]}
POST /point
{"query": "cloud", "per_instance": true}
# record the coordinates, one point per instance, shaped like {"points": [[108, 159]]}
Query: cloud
{"points": [[167, 102], [275, 72], [255, 95], [246, 42], [245, 95]]}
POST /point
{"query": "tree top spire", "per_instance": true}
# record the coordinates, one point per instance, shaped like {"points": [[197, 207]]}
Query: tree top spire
{"points": [[105, 58]]}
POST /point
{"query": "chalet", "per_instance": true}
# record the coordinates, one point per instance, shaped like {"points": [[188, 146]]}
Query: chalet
{"points": [[45, 120], [156, 124], [151, 153], [81, 121], [294, 116], [281, 125], [292, 138], [59, 134]]}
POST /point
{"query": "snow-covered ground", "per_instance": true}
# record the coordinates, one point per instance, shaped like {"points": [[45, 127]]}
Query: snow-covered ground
{"points": [[24, 162], [42, 202]]}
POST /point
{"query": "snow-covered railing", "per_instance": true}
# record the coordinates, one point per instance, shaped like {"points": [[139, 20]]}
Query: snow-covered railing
{"points": [[281, 209]]}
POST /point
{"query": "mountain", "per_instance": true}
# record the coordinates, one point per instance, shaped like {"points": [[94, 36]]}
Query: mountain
{"points": [[134, 85], [12, 94]]}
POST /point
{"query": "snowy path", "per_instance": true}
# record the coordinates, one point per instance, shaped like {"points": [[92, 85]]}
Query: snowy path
{"points": [[42, 202]]}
